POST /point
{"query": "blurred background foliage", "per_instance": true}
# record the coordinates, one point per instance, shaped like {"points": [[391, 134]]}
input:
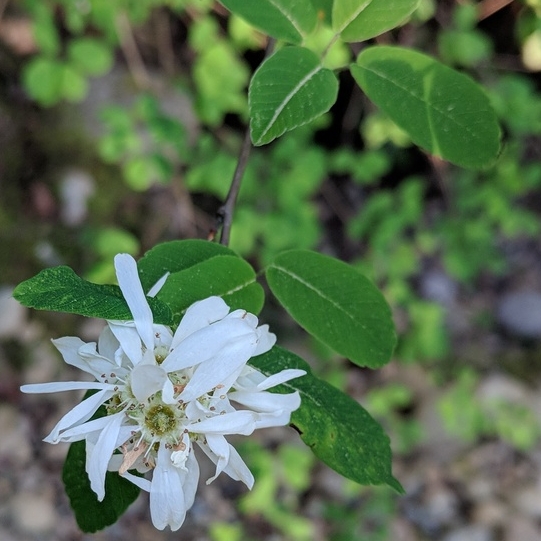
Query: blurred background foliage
{"points": [[120, 125]]}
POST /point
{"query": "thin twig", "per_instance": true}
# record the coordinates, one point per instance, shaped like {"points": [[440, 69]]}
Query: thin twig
{"points": [[486, 8], [3, 6], [131, 51], [224, 216]]}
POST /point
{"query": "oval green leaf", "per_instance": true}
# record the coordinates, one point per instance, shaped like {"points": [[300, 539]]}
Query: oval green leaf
{"points": [[59, 289], [226, 276], [282, 19], [91, 514], [289, 89], [359, 21], [338, 430], [175, 256], [336, 304], [443, 111]]}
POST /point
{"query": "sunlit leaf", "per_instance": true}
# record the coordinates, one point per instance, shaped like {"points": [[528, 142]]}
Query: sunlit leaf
{"points": [[289, 89], [358, 20], [59, 289], [226, 276], [337, 429], [336, 304], [289, 20], [443, 111]]}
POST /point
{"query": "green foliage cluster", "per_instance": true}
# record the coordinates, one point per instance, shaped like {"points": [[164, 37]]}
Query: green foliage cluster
{"points": [[419, 101]]}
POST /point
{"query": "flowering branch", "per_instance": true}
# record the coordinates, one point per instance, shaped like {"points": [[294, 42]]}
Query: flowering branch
{"points": [[224, 216]]}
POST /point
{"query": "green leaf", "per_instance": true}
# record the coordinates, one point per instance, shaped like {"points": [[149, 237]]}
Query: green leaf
{"points": [[281, 19], [43, 80], [443, 111], [289, 89], [90, 56], [338, 429], [92, 515], [336, 304], [74, 85], [59, 289], [175, 256], [226, 276], [358, 20]]}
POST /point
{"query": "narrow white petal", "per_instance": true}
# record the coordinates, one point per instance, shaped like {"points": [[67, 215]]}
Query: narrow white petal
{"points": [[190, 480], [265, 340], [237, 468], [266, 402], [228, 361], [275, 418], [207, 342], [155, 289], [147, 379], [130, 285], [59, 386], [97, 460], [281, 377], [220, 448], [167, 505], [199, 315], [141, 482], [107, 344], [79, 414], [129, 340], [237, 422], [81, 431]]}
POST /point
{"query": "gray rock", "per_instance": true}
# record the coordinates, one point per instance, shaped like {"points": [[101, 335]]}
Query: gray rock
{"points": [[520, 313], [438, 287], [471, 533]]}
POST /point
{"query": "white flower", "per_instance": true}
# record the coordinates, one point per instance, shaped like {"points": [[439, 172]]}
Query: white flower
{"points": [[165, 393]]}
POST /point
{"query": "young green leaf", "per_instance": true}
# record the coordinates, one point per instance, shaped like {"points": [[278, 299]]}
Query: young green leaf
{"points": [[59, 289], [90, 56], [282, 19], [226, 276], [175, 256], [359, 21], [443, 111], [336, 304], [338, 429], [289, 89]]}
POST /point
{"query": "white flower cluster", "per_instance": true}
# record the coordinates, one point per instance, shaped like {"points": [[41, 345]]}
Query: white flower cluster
{"points": [[166, 393]]}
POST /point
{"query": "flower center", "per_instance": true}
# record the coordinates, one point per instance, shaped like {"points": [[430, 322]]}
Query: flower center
{"points": [[160, 419]]}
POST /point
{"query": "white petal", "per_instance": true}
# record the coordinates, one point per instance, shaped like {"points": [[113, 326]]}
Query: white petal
{"points": [[147, 379], [141, 482], [228, 361], [98, 458], [275, 418], [265, 340], [129, 340], [219, 446], [266, 402], [79, 414], [130, 284], [207, 342], [81, 431], [167, 506], [281, 377], [190, 480], [59, 386], [199, 315], [107, 344], [155, 289], [83, 356], [237, 422], [236, 468]]}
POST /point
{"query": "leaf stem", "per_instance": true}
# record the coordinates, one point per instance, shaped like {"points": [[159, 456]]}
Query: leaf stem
{"points": [[224, 216]]}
